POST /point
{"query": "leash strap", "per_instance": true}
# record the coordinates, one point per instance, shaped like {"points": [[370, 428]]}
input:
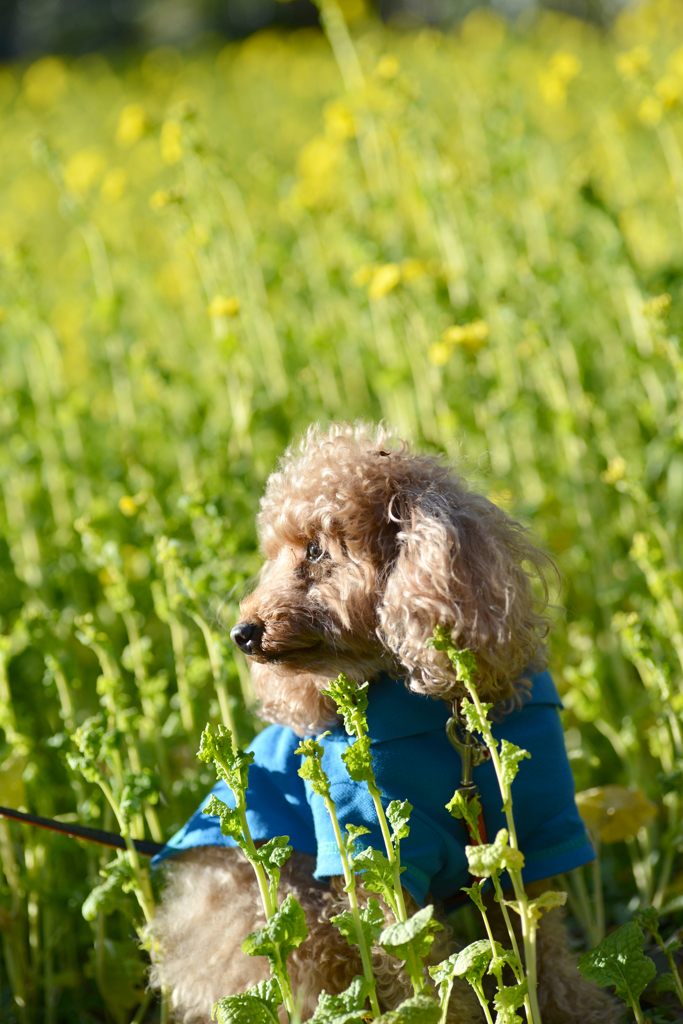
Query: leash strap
{"points": [[145, 847]]}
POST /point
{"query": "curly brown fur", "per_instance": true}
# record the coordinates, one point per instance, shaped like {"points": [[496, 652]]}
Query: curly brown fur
{"points": [[369, 546], [406, 546], [211, 902]]}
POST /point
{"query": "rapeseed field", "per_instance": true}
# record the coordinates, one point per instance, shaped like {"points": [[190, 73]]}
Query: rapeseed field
{"points": [[477, 236]]}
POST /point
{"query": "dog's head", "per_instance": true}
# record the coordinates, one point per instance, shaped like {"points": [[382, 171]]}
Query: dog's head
{"points": [[369, 546]]}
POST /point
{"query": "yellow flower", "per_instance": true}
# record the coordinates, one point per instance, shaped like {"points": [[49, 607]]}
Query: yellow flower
{"points": [[658, 306], [562, 68], [565, 65], [171, 144], [83, 169], [128, 505], [388, 66], [159, 199], [339, 123], [412, 269], [360, 277], [669, 90], [384, 280], [614, 813], [318, 158], [632, 62], [113, 184], [222, 306], [616, 470], [470, 336], [439, 353], [132, 124], [45, 82], [650, 111]]}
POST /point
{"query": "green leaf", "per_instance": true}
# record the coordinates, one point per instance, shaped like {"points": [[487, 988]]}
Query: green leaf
{"points": [[476, 720], [106, 897], [231, 765], [344, 1008], [665, 983], [351, 701], [474, 893], [399, 815], [377, 873], [312, 769], [274, 853], [463, 661], [372, 922], [285, 931], [619, 960], [510, 756], [120, 974], [466, 810], [547, 901], [507, 1001], [420, 1009], [417, 931], [231, 822], [493, 858], [470, 963], [358, 760], [258, 1005], [143, 785]]}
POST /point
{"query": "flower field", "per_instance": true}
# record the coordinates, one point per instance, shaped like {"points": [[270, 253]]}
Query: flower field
{"points": [[476, 236]]}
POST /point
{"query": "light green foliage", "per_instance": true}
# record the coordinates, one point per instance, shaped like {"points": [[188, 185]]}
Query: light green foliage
{"points": [[619, 960], [377, 873], [285, 931], [420, 1009], [418, 932], [345, 1008], [352, 702], [231, 765], [510, 756], [471, 963], [475, 718], [230, 818], [466, 810], [372, 922], [507, 1001], [312, 770], [493, 858], [258, 1005], [106, 897], [398, 814]]}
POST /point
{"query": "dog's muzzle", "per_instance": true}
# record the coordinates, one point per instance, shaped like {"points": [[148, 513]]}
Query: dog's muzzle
{"points": [[247, 636]]}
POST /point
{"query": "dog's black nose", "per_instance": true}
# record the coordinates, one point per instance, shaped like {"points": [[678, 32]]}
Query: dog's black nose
{"points": [[246, 635]]}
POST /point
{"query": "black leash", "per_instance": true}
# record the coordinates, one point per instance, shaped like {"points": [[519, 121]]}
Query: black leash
{"points": [[93, 835]]}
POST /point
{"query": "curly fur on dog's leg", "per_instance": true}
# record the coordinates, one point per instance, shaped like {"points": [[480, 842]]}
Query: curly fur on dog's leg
{"points": [[564, 997], [211, 903]]}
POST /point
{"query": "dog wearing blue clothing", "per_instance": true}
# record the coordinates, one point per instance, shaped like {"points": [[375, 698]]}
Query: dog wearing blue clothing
{"points": [[369, 545]]}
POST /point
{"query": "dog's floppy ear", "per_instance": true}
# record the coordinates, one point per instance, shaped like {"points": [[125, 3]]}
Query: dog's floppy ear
{"points": [[463, 563]]}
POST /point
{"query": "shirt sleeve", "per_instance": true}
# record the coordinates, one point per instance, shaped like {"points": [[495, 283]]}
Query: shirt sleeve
{"points": [[550, 831]]}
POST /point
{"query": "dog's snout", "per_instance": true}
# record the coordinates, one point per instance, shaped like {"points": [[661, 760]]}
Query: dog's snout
{"points": [[246, 635]]}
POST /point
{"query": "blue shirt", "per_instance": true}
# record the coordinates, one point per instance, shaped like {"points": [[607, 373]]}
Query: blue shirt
{"points": [[414, 760]]}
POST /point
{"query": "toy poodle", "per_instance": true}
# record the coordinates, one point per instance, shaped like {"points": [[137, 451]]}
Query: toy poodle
{"points": [[369, 545]]}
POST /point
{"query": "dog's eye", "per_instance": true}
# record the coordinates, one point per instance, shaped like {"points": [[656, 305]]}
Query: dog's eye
{"points": [[314, 552]]}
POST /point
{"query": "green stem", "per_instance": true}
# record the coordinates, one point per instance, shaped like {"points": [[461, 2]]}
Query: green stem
{"points": [[414, 963], [506, 916], [270, 910], [350, 880], [143, 889], [527, 922], [483, 1002], [216, 671]]}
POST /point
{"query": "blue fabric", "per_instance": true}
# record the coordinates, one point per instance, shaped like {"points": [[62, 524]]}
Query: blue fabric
{"points": [[413, 760]]}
